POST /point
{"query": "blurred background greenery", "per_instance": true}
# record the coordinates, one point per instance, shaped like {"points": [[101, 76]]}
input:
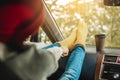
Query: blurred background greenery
{"points": [[99, 19]]}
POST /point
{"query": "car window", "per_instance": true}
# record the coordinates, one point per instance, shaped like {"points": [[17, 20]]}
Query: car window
{"points": [[99, 18]]}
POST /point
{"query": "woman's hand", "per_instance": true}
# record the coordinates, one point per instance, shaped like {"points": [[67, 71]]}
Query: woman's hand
{"points": [[65, 51]]}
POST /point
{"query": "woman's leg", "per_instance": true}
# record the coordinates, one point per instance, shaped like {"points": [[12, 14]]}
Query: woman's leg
{"points": [[52, 45], [74, 64]]}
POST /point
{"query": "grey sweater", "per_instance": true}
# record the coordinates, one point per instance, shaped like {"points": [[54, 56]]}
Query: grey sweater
{"points": [[31, 64]]}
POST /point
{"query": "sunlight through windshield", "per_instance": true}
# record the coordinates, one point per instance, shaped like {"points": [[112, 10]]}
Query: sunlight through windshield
{"points": [[99, 18]]}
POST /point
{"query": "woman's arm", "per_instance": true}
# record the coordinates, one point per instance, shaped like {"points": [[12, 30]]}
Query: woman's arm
{"points": [[34, 64]]}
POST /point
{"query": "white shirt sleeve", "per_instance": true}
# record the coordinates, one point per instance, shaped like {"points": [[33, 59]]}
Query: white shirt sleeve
{"points": [[56, 51]]}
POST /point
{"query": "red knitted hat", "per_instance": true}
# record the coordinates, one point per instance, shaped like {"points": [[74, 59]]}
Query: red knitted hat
{"points": [[19, 19]]}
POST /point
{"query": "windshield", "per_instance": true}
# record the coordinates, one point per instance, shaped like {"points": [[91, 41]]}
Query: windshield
{"points": [[99, 18]]}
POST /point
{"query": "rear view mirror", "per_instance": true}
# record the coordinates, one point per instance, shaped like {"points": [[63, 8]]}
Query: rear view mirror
{"points": [[112, 2]]}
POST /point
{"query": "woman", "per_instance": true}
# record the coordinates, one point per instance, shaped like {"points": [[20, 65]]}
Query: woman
{"points": [[18, 20]]}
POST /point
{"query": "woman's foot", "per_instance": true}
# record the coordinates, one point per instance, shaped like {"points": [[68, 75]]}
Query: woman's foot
{"points": [[82, 31], [69, 42]]}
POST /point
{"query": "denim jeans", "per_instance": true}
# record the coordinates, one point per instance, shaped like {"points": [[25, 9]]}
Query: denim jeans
{"points": [[74, 64]]}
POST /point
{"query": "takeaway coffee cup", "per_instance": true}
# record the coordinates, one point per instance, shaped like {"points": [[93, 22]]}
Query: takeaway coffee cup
{"points": [[100, 42]]}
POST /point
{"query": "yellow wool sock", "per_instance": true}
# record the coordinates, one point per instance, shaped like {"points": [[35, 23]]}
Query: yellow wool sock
{"points": [[69, 42], [81, 34]]}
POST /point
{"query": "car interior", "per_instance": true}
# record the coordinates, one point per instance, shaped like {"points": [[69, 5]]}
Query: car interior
{"points": [[100, 63], [102, 59]]}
